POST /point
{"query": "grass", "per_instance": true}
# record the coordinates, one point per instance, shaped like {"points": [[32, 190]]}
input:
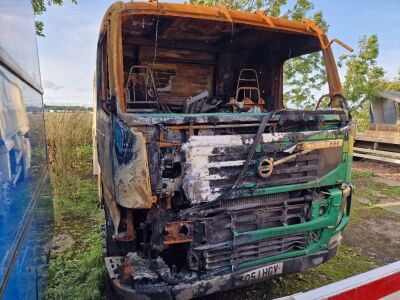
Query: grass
{"points": [[373, 190], [78, 271], [347, 263], [357, 175]]}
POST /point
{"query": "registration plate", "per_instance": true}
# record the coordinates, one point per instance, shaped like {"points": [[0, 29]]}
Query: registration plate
{"points": [[260, 273]]}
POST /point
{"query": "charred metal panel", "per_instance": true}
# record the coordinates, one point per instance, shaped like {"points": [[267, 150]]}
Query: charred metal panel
{"points": [[286, 117], [215, 246], [153, 154], [190, 287], [131, 170], [105, 156], [226, 256], [213, 163]]}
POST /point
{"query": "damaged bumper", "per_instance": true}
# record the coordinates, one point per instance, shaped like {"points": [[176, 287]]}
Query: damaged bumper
{"points": [[217, 283]]}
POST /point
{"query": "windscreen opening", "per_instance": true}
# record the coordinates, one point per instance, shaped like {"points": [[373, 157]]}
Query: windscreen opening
{"points": [[182, 65]]}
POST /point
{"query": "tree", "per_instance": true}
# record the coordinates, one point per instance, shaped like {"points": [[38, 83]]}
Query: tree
{"points": [[364, 78], [393, 85], [40, 7], [273, 7], [302, 75]]}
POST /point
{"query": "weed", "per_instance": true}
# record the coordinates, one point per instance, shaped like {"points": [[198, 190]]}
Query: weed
{"points": [[373, 190], [78, 272], [348, 262], [356, 175]]}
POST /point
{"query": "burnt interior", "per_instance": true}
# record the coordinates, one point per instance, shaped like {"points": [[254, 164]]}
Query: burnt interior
{"points": [[174, 64]]}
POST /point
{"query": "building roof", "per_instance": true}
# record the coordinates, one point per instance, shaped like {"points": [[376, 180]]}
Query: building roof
{"points": [[390, 95]]}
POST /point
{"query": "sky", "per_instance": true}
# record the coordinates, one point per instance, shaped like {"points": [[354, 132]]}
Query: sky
{"points": [[68, 51]]}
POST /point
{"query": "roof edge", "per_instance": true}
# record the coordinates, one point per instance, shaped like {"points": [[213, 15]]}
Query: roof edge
{"points": [[390, 95], [220, 13]]}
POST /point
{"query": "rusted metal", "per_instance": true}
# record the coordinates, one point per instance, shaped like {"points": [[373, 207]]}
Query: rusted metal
{"points": [[312, 26], [224, 10], [245, 90], [347, 47], [178, 232], [291, 157], [168, 144], [265, 18], [335, 100], [130, 233], [126, 268], [169, 201], [314, 145], [211, 126], [265, 167]]}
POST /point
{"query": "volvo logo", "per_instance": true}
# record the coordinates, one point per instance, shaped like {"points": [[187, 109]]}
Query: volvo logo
{"points": [[265, 167]]}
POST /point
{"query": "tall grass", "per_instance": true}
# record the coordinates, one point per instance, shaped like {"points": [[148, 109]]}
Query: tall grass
{"points": [[69, 142], [77, 272]]}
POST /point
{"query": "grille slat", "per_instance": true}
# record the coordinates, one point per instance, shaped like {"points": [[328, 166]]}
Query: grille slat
{"points": [[220, 258], [220, 248], [226, 163], [224, 185]]}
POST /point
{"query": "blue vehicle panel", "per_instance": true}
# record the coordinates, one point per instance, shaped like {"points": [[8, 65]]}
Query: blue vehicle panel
{"points": [[26, 211]]}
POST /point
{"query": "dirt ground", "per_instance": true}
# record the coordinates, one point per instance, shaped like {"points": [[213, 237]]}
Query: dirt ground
{"points": [[376, 236], [380, 169], [375, 231], [371, 239]]}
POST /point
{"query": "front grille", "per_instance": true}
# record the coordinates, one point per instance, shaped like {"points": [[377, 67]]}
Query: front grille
{"points": [[225, 166], [214, 163], [226, 256], [217, 246]]}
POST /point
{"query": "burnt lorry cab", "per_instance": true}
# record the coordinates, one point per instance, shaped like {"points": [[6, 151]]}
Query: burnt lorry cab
{"points": [[208, 181]]}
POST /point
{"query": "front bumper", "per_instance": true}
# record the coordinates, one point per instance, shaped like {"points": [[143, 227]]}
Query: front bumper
{"points": [[218, 283]]}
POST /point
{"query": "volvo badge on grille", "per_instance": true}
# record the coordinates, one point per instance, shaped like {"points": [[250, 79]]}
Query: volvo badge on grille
{"points": [[265, 167]]}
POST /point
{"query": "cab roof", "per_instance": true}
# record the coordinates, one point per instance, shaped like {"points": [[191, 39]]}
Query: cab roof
{"points": [[220, 13]]}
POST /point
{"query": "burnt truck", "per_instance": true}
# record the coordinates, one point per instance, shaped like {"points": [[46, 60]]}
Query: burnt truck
{"points": [[208, 182]]}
